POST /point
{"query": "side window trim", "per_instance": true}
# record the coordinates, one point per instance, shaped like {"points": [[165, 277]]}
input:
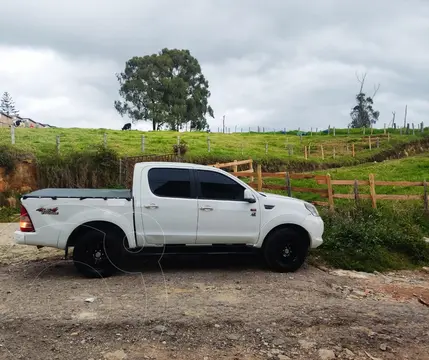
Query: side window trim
{"points": [[198, 186], [193, 190]]}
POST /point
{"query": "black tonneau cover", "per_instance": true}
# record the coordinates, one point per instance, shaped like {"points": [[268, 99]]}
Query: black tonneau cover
{"points": [[80, 194]]}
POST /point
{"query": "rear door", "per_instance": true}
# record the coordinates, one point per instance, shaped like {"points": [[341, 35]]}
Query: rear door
{"points": [[169, 206], [224, 217]]}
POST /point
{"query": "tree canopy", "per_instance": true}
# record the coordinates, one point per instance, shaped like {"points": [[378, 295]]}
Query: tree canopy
{"points": [[7, 105], [363, 113], [167, 88]]}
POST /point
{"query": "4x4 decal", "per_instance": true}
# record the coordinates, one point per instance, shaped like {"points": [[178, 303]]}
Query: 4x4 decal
{"points": [[51, 211]]}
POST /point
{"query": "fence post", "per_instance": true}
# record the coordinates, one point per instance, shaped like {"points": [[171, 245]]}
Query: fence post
{"points": [[178, 146], [12, 134], [330, 192], [353, 150], [334, 152], [305, 153], [105, 140], [364, 130], [288, 188], [388, 137], [384, 128], [235, 167], [356, 191], [372, 191], [58, 144], [413, 130], [425, 199], [311, 132], [334, 131], [369, 142], [252, 179], [120, 171], [259, 172], [208, 144], [323, 153], [266, 148]]}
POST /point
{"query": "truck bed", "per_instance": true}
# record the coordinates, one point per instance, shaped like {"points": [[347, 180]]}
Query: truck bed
{"points": [[81, 194]]}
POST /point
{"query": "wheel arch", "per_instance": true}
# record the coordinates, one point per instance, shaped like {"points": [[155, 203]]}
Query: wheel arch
{"points": [[301, 230], [102, 226]]}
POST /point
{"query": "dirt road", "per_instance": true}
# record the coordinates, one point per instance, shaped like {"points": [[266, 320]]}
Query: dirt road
{"points": [[205, 308]]}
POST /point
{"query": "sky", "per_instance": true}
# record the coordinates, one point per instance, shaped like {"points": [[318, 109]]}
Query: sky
{"points": [[274, 64]]}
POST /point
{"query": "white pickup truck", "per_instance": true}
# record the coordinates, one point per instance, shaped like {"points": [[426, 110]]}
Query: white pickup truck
{"points": [[175, 208]]}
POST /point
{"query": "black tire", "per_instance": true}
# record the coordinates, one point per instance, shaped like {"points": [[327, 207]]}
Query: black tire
{"points": [[97, 253], [285, 250]]}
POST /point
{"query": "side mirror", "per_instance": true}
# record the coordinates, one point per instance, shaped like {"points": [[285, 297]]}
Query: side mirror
{"points": [[248, 196]]}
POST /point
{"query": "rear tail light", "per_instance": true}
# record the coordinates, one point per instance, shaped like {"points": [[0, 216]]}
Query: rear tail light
{"points": [[25, 224]]}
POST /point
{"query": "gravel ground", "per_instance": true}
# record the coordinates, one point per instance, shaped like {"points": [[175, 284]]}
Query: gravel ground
{"points": [[205, 308]]}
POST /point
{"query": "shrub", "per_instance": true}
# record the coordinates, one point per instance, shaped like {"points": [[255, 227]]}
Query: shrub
{"points": [[366, 239], [182, 146], [89, 169]]}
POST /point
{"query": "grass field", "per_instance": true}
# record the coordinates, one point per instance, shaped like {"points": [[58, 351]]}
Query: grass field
{"points": [[42, 142]]}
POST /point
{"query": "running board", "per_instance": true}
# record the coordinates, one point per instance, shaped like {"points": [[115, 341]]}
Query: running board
{"points": [[218, 249]]}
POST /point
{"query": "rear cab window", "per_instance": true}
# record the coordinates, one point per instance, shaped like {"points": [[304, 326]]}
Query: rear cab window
{"points": [[171, 182]]}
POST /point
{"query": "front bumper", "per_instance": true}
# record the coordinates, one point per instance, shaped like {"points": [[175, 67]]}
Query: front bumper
{"points": [[315, 227]]}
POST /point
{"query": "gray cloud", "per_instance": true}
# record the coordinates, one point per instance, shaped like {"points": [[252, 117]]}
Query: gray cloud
{"points": [[275, 63]]}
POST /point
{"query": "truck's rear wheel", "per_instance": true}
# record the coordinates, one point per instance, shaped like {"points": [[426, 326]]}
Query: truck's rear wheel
{"points": [[285, 250], [96, 254]]}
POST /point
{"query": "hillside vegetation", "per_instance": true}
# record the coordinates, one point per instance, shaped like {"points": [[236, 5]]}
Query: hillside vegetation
{"points": [[42, 142]]}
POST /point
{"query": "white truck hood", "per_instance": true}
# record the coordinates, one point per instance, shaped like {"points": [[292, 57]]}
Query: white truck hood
{"points": [[279, 198]]}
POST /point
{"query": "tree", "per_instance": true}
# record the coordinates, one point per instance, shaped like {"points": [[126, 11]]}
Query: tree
{"points": [[363, 114], [7, 105], [167, 88]]}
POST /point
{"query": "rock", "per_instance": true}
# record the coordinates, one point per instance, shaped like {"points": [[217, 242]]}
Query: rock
{"points": [[159, 328], [217, 326], [325, 354], [351, 274], [90, 300], [233, 336], [383, 347], [74, 334], [258, 330], [424, 268], [278, 342], [306, 344], [116, 355], [349, 353], [283, 357]]}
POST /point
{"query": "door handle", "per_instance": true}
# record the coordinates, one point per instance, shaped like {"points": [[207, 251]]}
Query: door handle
{"points": [[151, 206], [206, 208]]}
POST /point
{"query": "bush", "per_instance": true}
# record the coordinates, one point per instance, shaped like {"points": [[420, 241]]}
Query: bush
{"points": [[366, 239], [91, 169], [182, 146]]}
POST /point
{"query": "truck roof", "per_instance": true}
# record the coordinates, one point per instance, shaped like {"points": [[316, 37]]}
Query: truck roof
{"points": [[171, 164]]}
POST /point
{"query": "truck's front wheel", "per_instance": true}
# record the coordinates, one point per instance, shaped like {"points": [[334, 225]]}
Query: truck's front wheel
{"points": [[285, 250], [96, 254]]}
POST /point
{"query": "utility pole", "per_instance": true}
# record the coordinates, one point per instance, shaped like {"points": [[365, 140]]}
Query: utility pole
{"points": [[405, 117], [223, 127]]}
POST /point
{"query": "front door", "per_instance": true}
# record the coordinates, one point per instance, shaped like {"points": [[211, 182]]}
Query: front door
{"points": [[224, 216], [169, 209]]}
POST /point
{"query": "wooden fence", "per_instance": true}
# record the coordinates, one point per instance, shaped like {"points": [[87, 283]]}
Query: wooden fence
{"points": [[235, 164], [328, 192]]}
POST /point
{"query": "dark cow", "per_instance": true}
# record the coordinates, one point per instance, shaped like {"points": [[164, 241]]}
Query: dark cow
{"points": [[17, 123], [127, 126]]}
